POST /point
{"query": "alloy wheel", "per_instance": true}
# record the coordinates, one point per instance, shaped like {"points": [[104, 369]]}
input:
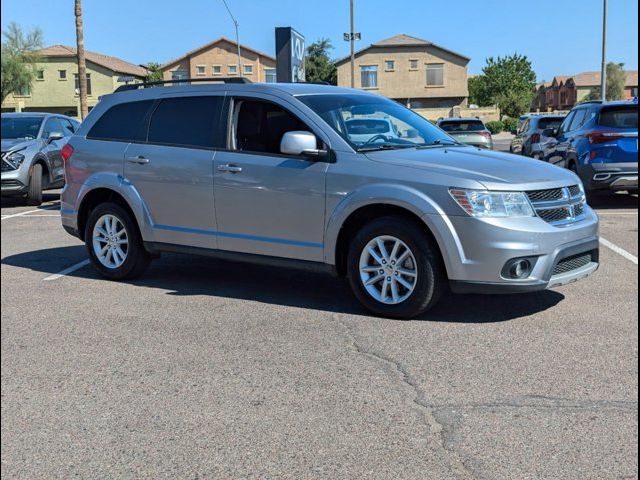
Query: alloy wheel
{"points": [[388, 270], [110, 241]]}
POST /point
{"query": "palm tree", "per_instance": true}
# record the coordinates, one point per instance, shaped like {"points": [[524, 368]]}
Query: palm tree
{"points": [[82, 66]]}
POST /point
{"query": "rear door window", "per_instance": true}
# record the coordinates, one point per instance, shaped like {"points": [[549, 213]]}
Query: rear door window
{"points": [[578, 119], [545, 123], [68, 127], [619, 117], [52, 125], [191, 122], [122, 123]]}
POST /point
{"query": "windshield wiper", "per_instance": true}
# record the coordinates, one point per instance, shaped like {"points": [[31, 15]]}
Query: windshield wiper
{"points": [[385, 146], [440, 143]]}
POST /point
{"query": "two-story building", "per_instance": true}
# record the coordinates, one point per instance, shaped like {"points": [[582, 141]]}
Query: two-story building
{"points": [[410, 70], [220, 59], [55, 87]]}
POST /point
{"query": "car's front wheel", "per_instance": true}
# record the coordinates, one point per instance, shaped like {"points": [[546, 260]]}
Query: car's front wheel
{"points": [[34, 194], [395, 269], [114, 244]]}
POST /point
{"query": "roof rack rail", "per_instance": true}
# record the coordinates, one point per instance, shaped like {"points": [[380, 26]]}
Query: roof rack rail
{"points": [[591, 101], [135, 86]]}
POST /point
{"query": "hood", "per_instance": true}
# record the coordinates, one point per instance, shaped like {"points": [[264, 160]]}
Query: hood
{"points": [[494, 170], [15, 143]]}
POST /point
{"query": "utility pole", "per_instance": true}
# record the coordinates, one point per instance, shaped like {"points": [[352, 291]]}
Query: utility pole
{"points": [[603, 82], [235, 23], [352, 41], [82, 66]]}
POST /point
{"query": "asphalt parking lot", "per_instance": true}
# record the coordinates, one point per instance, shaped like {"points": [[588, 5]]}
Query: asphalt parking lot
{"points": [[209, 369]]}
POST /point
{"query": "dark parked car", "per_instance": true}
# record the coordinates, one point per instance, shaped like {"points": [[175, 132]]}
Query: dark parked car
{"points": [[529, 137], [598, 141], [471, 131]]}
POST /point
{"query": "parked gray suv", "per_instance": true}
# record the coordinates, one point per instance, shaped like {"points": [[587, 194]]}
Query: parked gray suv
{"points": [[31, 160], [270, 173]]}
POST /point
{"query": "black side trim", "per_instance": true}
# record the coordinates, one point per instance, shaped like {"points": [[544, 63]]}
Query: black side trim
{"points": [[318, 267], [71, 231], [464, 287], [572, 249]]}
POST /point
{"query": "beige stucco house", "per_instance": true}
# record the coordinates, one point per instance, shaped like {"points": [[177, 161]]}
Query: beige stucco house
{"points": [[410, 70], [55, 87], [220, 59]]}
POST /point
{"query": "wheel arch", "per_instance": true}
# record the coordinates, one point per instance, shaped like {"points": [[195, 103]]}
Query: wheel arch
{"points": [[97, 196]]}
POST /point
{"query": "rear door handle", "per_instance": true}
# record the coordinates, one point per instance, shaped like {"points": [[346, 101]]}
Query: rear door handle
{"points": [[140, 160], [229, 168]]}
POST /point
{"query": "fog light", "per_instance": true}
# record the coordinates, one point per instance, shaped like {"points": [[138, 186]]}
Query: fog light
{"points": [[518, 268]]}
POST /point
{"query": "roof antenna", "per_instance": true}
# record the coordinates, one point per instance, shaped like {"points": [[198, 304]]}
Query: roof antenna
{"points": [[235, 23]]}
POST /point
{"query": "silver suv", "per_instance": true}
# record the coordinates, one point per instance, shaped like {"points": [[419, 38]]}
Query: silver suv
{"points": [[270, 173], [31, 158]]}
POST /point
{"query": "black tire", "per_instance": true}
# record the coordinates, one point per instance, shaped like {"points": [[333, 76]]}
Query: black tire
{"points": [[34, 194], [137, 258], [431, 281]]}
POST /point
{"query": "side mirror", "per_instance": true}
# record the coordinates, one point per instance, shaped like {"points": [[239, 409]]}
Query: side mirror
{"points": [[301, 143], [550, 132], [53, 136]]}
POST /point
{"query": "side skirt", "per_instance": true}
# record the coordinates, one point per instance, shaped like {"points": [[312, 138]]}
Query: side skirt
{"points": [[155, 248]]}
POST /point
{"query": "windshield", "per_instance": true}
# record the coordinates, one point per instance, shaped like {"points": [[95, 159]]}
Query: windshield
{"points": [[21, 127], [619, 117], [549, 122], [369, 122], [462, 126]]}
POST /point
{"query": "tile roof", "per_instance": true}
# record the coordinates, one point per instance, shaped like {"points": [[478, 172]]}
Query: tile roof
{"points": [[112, 63], [402, 40], [211, 44]]}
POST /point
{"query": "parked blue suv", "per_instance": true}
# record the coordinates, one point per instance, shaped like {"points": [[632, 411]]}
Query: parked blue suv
{"points": [[599, 142]]}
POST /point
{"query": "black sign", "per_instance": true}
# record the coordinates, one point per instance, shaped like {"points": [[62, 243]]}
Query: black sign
{"points": [[290, 54]]}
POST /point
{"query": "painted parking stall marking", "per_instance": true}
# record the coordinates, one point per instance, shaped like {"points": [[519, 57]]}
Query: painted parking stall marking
{"points": [[67, 271], [619, 250], [21, 214]]}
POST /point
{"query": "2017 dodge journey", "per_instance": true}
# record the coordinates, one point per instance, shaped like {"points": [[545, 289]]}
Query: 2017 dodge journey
{"points": [[305, 175]]}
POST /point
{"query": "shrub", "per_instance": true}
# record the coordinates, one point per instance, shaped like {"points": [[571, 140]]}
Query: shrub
{"points": [[495, 127], [510, 124]]}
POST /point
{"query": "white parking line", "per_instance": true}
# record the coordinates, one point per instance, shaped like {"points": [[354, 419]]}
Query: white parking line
{"points": [[52, 207], [67, 271], [619, 251]]}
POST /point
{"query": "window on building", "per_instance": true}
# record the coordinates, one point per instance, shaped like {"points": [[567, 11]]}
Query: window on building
{"points": [[123, 122], [413, 64], [389, 65], [270, 75], [369, 76], [186, 122], [232, 69], [179, 75], [200, 70], [77, 82], [435, 74], [634, 92], [217, 70], [40, 74], [62, 74], [248, 69]]}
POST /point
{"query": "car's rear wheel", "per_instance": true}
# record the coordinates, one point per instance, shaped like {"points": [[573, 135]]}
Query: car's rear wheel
{"points": [[394, 268], [114, 244], [34, 194]]}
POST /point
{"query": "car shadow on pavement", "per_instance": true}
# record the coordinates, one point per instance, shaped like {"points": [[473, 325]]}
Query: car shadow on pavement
{"points": [[47, 198], [184, 275], [613, 201]]}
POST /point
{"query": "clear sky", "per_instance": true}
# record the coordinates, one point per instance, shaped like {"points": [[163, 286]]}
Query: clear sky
{"points": [[559, 36]]}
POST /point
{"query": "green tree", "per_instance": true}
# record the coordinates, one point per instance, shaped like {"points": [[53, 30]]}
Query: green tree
{"points": [[318, 64], [19, 55], [155, 74], [508, 82], [616, 79]]}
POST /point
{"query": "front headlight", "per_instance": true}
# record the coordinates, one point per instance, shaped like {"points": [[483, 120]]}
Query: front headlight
{"points": [[15, 159], [483, 203]]}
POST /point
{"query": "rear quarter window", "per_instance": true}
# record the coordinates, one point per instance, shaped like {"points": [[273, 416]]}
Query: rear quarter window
{"points": [[123, 122], [187, 122], [619, 117], [545, 123]]}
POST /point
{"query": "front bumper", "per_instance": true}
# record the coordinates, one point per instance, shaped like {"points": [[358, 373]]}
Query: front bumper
{"points": [[15, 182], [475, 251], [609, 176]]}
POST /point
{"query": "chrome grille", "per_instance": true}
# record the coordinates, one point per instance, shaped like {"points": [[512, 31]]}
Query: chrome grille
{"points": [[572, 263], [559, 206]]}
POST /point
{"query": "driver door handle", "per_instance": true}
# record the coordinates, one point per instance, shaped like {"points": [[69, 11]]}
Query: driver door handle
{"points": [[229, 168], [139, 159]]}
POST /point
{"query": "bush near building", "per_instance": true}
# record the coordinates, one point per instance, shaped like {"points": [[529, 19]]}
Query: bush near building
{"points": [[510, 124], [495, 127]]}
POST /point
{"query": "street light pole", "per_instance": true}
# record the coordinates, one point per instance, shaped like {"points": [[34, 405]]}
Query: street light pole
{"points": [[235, 23], [603, 81], [352, 42]]}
